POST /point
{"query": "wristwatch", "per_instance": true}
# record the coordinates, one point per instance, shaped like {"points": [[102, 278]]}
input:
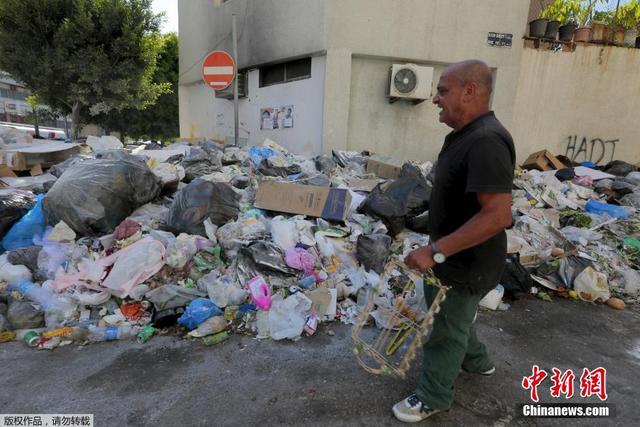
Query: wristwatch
{"points": [[437, 255]]}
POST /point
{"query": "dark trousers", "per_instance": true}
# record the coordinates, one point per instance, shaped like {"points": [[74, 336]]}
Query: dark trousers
{"points": [[453, 344]]}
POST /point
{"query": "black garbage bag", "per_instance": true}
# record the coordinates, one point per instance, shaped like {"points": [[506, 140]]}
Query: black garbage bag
{"points": [[619, 168], [273, 167], [373, 251], [570, 267], [266, 259], [623, 187], [325, 164], [60, 168], [516, 280], [94, 196], [4, 323], [14, 204], [24, 315], [344, 158], [395, 202], [565, 174], [420, 223], [25, 256], [201, 200], [201, 162]]}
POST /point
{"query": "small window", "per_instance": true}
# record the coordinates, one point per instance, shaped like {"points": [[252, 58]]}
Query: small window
{"points": [[300, 69], [272, 75], [285, 72]]}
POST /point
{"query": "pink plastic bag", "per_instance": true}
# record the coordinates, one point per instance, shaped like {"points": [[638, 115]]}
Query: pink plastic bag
{"points": [[131, 266], [260, 293], [300, 259], [585, 180]]}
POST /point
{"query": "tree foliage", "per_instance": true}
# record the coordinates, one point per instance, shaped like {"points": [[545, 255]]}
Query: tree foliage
{"points": [[158, 121], [96, 55]]}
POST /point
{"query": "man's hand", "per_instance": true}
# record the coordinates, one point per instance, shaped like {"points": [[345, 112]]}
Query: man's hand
{"points": [[420, 259]]}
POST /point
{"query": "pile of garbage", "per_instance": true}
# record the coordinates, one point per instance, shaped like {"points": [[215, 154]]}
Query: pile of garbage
{"points": [[577, 231], [206, 240]]}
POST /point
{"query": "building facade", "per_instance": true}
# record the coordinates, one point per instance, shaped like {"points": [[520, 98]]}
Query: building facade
{"points": [[13, 106], [318, 73]]}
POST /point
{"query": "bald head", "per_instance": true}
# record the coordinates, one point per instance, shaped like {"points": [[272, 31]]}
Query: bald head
{"points": [[463, 93], [472, 71]]}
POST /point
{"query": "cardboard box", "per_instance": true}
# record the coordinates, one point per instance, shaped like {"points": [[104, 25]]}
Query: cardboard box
{"points": [[22, 157], [384, 166], [543, 161], [364, 185], [5, 171], [331, 204]]}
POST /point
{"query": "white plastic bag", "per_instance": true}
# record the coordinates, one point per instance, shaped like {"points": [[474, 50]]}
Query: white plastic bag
{"points": [[12, 273], [287, 317], [222, 290], [180, 252], [284, 233], [591, 285]]}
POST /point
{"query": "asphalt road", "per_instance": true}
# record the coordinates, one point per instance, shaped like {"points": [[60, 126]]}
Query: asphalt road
{"points": [[316, 381]]}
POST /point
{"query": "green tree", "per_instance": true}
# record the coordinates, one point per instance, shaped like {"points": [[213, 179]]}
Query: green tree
{"points": [[33, 101], [93, 55], [160, 120]]}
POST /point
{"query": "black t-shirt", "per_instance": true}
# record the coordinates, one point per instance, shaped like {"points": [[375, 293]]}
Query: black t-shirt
{"points": [[478, 158]]}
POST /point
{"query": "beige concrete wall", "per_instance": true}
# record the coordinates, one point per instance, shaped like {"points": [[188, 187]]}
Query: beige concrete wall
{"points": [[584, 104], [378, 33]]}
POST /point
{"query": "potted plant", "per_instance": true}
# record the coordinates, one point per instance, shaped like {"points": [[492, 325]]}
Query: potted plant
{"points": [[629, 17], [538, 28], [600, 29], [551, 13], [569, 19], [583, 15]]}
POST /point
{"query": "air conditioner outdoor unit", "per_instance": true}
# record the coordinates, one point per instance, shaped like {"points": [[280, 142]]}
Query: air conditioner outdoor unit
{"points": [[410, 82]]}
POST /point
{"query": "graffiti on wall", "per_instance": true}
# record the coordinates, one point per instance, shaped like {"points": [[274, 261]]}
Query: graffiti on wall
{"points": [[596, 150]]}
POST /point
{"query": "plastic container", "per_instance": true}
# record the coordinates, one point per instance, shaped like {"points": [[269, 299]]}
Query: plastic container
{"points": [[260, 293], [112, 333]]}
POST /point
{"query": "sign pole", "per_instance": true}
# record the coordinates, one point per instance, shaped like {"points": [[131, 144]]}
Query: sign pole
{"points": [[235, 80]]}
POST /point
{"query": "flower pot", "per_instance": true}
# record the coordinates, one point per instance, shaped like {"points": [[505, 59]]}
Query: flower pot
{"points": [[538, 28], [630, 37], [618, 36], [598, 32], [582, 34], [565, 32], [552, 30]]}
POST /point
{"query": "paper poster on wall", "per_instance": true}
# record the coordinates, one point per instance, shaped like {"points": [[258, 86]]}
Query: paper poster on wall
{"points": [[287, 119], [266, 119], [275, 118]]}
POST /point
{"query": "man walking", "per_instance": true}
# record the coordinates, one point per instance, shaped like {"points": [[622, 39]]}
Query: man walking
{"points": [[469, 210]]}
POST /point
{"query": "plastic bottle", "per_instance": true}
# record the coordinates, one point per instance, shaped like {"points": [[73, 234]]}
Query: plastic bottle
{"points": [[112, 333], [260, 292]]}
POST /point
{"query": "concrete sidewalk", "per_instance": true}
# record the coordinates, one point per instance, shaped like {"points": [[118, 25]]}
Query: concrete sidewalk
{"points": [[317, 381]]}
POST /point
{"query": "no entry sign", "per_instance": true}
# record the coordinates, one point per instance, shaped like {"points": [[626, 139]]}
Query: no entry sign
{"points": [[218, 70]]}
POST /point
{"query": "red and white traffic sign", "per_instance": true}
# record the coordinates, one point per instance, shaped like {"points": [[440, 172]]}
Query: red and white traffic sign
{"points": [[218, 70]]}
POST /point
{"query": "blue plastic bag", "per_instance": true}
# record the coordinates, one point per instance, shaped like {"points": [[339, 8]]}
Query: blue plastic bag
{"points": [[600, 208], [258, 153], [198, 311], [31, 225]]}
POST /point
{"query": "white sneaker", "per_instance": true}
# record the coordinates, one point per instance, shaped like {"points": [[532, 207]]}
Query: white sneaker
{"points": [[412, 410]]}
